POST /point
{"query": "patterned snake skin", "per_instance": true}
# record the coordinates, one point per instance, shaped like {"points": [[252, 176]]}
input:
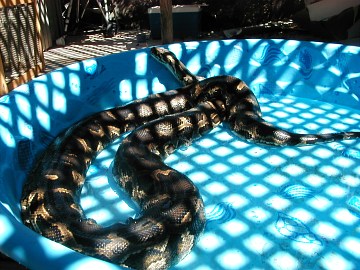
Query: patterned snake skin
{"points": [[172, 211]]}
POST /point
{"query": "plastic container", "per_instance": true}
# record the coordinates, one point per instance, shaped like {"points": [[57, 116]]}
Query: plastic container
{"points": [[267, 207], [186, 21]]}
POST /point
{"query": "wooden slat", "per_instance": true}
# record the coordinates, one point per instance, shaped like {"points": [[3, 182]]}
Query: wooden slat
{"points": [[38, 34], [39, 66], [3, 87], [166, 21], [12, 3], [25, 77]]}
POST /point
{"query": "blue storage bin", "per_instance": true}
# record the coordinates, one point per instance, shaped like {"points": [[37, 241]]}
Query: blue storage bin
{"points": [[186, 21]]}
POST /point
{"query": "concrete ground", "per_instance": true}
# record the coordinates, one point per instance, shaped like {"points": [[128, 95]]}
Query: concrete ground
{"points": [[93, 44]]}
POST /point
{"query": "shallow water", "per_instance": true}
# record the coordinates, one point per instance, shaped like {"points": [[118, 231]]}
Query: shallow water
{"points": [[266, 207]]}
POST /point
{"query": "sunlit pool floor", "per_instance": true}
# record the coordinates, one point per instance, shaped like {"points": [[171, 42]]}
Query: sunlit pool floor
{"points": [[267, 207]]}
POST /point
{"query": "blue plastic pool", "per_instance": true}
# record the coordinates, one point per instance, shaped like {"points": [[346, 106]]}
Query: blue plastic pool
{"points": [[267, 207]]}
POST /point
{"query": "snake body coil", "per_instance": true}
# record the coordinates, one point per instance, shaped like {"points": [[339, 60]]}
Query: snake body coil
{"points": [[172, 211]]}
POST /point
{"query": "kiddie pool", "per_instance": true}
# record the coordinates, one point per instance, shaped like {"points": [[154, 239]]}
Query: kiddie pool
{"points": [[267, 207]]}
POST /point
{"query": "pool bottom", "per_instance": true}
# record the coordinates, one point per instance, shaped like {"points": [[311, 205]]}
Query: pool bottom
{"points": [[266, 207]]}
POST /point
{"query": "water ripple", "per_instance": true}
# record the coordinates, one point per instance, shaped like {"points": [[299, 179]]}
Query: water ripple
{"points": [[271, 55], [347, 151], [296, 191], [293, 229], [221, 213], [306, 66]]}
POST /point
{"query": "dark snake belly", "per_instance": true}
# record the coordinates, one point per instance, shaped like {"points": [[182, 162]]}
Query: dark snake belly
{"points": [[172, 211]]}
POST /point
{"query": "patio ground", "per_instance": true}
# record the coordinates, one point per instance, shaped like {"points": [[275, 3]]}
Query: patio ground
{"points": [[93, 44]]}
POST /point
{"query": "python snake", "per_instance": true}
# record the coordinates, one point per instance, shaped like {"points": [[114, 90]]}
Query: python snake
{"points": [[172, 211]]}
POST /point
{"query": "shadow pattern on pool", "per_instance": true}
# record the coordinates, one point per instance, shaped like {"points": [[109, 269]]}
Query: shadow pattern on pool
{"points": [[266, 207]]}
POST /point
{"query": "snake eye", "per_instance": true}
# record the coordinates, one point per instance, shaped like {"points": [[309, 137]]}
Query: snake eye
{"points": [[130, 220], [167, 205], [27, 221]]}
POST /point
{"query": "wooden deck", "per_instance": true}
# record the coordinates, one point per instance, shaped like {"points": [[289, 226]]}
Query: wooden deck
{"points": [[93, 44]]}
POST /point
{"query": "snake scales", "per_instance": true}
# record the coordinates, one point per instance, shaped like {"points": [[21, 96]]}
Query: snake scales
{"points": [[172, 211]]}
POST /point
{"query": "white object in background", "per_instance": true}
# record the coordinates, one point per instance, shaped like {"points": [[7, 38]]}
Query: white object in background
{"points": [[61, 41], [327, 8]]}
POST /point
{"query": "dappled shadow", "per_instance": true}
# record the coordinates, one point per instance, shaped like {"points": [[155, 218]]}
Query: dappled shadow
{"points": [[21, 49], [267, 207], [89, 45]]}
